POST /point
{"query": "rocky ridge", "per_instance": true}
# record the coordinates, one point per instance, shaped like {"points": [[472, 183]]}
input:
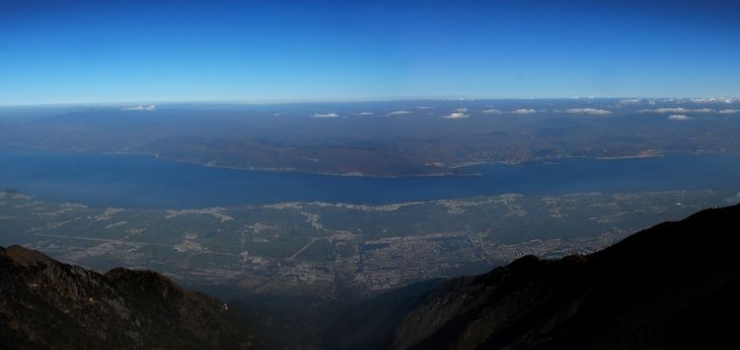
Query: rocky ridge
{"points": [[45, 304]]}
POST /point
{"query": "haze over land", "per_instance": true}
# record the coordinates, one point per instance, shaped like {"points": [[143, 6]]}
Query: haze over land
{"points": [[394, 138]]}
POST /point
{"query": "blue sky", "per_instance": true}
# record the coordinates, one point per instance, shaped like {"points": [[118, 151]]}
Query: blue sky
{"points": [[274, 51]]}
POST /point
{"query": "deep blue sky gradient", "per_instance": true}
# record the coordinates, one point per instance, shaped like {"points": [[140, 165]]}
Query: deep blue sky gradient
{"points": [[282, 51]]}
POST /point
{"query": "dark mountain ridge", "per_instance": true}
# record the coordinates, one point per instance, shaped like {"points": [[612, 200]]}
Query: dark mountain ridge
{"points": [[45, 304], [671, 286]]}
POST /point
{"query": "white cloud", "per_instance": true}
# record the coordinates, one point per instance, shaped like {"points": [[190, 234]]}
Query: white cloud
{"points": [[365, 113], [461, 110], [491, 111], [140, 108], [714, 100], [399, 113], [524, 111], [729, 111], [630, 101], [677, 110], [327, 115], [704, 110], [589, 111], [424, 107], [679, 117], [456, 115], [664, 110]]}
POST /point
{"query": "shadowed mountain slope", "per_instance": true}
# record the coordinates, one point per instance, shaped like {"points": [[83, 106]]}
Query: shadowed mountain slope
{"points": [[45, 304], [672, 286]]}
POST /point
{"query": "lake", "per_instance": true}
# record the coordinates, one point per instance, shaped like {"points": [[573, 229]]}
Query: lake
{"points": [[147, 182]]}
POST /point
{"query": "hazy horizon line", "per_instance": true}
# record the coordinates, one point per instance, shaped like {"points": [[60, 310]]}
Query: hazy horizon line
{"points": [[351, 100]]}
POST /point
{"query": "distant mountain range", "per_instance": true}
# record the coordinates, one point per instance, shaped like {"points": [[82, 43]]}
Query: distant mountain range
{"points": [[672, 286], [391, 138]]}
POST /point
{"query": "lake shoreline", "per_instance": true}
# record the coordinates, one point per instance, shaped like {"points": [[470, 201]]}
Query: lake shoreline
{"points": [[147, 181]]}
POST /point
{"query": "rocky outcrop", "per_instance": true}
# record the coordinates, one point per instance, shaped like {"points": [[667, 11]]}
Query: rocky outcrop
{"points": [[45, 304]]}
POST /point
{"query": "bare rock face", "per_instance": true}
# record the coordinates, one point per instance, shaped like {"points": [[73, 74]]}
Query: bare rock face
{"points": [[45, 304]]}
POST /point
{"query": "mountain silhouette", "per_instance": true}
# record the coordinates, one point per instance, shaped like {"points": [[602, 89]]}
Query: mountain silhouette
{"points": [[45, 304], [672, 286]]}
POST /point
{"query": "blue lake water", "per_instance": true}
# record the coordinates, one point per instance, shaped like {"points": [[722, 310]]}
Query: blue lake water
{"points": [[144, 181]]}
